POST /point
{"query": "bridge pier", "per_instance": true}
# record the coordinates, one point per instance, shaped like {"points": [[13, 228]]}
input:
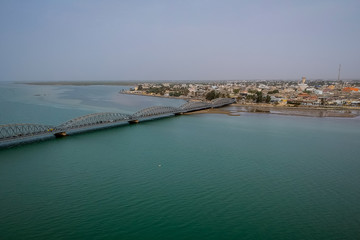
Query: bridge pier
{"points": [[12, 134], [134, 121], [60, 134]]}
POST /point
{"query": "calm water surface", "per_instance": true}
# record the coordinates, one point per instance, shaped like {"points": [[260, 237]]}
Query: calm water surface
{"points": [[254, 176]]}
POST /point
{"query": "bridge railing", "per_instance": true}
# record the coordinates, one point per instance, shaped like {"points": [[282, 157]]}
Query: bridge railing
{"points": [[219, 102], [94, 119], [154, 111], [193, 106], [11, 131]]}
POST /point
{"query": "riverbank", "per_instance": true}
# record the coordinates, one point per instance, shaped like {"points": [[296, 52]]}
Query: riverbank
{"points": [[158, 96], [236, 109], [270, 108]]}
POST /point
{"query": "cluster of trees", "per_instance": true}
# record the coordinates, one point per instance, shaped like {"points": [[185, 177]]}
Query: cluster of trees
{"points": [[258, 97], [252, 91], [273, 92], [294, 102], [179, 92], [175, 92], [236, 91], [215, 94], [157, 90]]}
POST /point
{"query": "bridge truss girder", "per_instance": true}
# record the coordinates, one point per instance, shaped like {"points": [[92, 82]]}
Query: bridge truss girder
{"points": [[193, 106], [93, 119], [19, 131], [155, 111], [11, 131], [218, 102]]}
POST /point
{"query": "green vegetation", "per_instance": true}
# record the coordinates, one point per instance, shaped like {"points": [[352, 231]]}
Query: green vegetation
{"points": [[267, 99], [214, 94], [273, 92], [161, 90], [251, 97], [252, 91], [258, 97], [179, 92], [156, 90], [294, 102], [174, 94]]}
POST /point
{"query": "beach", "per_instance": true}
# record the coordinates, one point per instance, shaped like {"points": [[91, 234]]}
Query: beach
{"points": [[236, 109]]}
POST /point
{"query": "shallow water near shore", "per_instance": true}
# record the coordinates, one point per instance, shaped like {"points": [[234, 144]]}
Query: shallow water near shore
{"points": [[200, 176], [295, 111]]}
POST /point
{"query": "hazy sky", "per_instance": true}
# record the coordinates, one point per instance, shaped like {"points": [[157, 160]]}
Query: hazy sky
{"points": [[178, 40]]}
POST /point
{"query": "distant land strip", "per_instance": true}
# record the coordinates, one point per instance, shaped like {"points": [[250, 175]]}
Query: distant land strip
{"points": [[82, 83], [117, 83]]}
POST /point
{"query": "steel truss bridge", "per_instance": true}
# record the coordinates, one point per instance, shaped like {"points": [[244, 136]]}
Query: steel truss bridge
{"points": [[13, 134]]}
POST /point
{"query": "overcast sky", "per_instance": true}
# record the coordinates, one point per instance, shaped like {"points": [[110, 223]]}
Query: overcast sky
{"points": [[178, 40]]}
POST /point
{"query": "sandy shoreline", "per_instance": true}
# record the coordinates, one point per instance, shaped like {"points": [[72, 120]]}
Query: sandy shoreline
{"points": [[306, 111], [157, 96], [236, 110]]}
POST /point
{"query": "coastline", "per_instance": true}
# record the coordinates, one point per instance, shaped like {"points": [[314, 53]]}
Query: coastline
{"points": [[236, 109], [149, 95]]}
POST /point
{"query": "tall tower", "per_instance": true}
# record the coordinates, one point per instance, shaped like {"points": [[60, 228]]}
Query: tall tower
{"points": [[303, 80], [339, 73], [303, 85]]}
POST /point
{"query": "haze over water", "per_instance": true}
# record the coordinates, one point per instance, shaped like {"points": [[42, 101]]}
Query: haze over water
{"points": [[206, 176]]}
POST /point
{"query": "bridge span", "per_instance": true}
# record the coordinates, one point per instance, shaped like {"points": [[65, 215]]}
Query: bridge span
{"points": [[14, 134]]}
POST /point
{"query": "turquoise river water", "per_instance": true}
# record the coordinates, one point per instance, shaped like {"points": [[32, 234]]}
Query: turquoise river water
{"points": [[205, 176]]}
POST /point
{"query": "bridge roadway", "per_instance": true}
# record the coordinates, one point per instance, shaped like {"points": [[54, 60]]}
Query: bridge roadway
{"points": [[14, 134]]}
